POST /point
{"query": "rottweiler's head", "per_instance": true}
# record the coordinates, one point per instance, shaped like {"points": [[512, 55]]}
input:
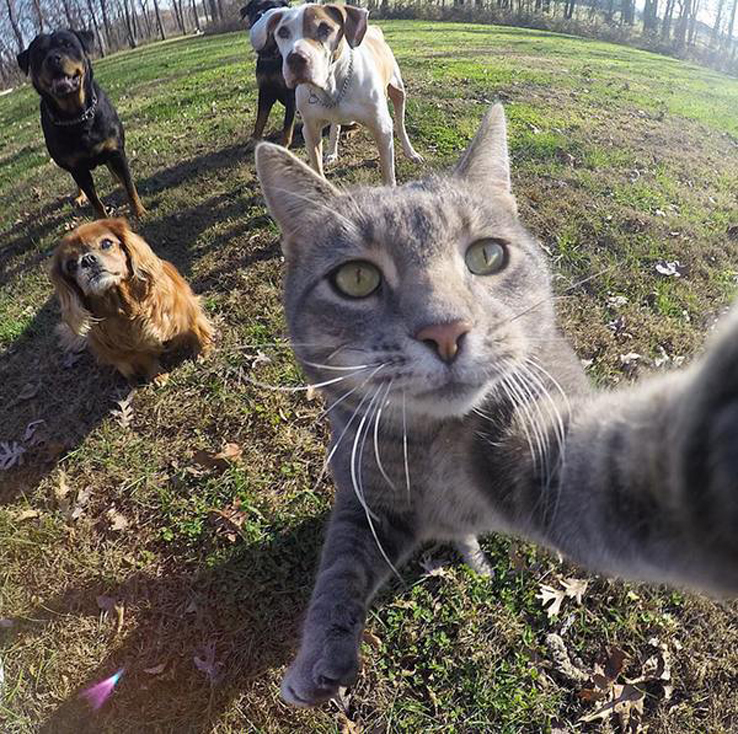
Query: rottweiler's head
{"points": [[59, 66], [256, 8]]}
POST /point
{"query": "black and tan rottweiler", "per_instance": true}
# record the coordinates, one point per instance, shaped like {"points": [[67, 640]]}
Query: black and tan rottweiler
{"points": [[80, 124], [269, 77]]}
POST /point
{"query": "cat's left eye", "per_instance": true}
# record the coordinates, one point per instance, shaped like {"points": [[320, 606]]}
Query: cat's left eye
{"points": [[485, 257], [357, 279]]}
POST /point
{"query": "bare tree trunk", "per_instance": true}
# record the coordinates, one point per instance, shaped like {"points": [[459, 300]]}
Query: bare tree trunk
{"points": [[147, 20], [129, 26], [106, 22], [680, 37], [716, 27], [195, 16], [729, 36], [38, 14], [14, 24], [158, 20], [221, 15], [693, 23], [666, 24], [96, 26]]}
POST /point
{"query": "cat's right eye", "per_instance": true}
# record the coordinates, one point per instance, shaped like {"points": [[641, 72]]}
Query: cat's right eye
{"points": [[357, 279]]}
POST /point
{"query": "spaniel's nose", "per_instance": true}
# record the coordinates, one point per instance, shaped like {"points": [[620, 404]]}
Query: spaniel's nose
{"points": [[445, 339], [88, 260], [296, 60]]}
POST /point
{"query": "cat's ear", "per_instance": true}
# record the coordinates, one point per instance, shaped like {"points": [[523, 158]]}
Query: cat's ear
{"points": [[296, 196], [485, 164]]}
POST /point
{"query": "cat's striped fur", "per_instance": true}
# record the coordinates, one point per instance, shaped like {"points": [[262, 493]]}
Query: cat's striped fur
{"points": [[641, 482]]}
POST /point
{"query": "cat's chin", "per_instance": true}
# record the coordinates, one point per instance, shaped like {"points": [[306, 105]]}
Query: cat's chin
{"points": [[449, 401]]}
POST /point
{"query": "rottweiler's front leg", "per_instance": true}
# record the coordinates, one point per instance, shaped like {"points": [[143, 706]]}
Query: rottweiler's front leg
{"points": [[83, 178], [267, 98], [118, 166], [289, 121]]}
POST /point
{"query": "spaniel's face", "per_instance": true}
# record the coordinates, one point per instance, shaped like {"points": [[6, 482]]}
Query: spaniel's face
{"points": [[95, 258]]}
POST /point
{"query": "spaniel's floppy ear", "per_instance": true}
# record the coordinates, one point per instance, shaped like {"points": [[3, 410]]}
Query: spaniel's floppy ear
{"points": [[144, 266], [73, 310]]}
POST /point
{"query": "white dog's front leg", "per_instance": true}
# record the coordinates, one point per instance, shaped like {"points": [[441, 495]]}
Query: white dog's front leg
{"points": [[312, 132], [382, 133], [332, 153]]}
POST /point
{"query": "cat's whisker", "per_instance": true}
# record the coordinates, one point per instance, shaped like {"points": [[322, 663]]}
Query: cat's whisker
{"points": [[356, 480], [557, 297], [515, 402], [404, 442], [347, 395], [524, 403], [318, 365], [382, 403], [333, 450], [303, 388]]}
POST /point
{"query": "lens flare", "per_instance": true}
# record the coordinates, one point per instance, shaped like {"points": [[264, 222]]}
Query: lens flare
{"points": [[97, 695]]}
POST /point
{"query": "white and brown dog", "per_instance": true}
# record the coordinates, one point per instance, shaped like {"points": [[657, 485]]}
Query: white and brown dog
{"points": [[343, 70]]}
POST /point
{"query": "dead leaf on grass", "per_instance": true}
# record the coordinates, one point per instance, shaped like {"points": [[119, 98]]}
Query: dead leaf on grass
{"points": [[371, 639], [205, 662], [117, 521], [27, 515], [123, 414], [220, 461], [346, 726], [551, 599], [575, 588], [32, 435], [228, 522], [11, 454], [562, 662], [156, 669]]}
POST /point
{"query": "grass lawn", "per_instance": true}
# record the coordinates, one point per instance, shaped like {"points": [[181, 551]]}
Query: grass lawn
{"points": [[115, 544]]}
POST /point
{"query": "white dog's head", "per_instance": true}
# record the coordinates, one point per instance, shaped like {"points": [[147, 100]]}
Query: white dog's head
{"points": [[310, 38]]}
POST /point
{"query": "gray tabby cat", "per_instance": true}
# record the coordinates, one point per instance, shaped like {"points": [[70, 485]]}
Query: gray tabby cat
{"points": [[425, 312]]}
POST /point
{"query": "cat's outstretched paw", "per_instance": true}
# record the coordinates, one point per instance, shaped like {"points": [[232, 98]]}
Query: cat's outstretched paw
{"points": [[474, 556], [316, 676]]}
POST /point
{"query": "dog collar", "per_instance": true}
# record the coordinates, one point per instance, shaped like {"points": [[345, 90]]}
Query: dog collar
{"points": [[88, 114], [331, 102]]}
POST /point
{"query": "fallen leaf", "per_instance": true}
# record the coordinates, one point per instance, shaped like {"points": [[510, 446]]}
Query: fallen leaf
{"points": [[123, 414], [30, 390], [672, 269], [575, 588], [205, 662], [27, 515], [117, 521], [230, 453], [551, 599], [156, 669], [561, 661], [371, 639], [11, 454], [346, 726], [31, 430], [615, 663]]}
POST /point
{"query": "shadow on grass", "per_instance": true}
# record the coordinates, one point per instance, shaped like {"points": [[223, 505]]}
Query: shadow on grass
{"points": [[247, 610], [73, 400]]}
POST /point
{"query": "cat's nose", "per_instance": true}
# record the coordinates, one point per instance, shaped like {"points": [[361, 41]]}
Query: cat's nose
{"points": [[444, 338]]}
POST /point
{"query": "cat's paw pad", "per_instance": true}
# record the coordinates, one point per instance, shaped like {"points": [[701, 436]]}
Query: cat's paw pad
{"points": [[314, 679]]}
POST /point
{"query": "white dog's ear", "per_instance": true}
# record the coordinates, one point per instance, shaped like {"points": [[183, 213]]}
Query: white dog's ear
{"points": [[355, 21], [296, 196], [264, 27], [485, 164]]}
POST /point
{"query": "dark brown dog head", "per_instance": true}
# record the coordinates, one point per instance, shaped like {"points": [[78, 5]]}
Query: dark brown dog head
{"points": [[59, 66], [252, 11]]}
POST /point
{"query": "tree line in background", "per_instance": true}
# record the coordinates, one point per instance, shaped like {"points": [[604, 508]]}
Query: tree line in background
{"points": [[666, 26], [116, 23], [671, 27]]}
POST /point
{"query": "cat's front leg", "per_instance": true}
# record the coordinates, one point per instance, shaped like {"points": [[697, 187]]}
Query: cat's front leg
{"points": [[705, 458], [352, 568]]}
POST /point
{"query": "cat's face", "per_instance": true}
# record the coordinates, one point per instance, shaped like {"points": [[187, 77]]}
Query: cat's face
{"points": [[433, 291]]}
